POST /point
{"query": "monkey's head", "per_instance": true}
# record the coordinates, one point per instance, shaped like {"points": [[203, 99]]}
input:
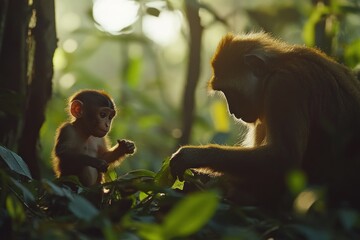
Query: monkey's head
{"points": [[93, 110], [240, 67]]}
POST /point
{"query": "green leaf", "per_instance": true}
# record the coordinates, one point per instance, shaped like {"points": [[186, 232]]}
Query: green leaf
{"points": [[143, 228], [142, 196], [82, 208], [178, 185], [309, 29], [164, 178], [150, 231], [190, 214], [352, 53], [73, 179], [296, 181], [15, 208], [137, 174], [14, 162], [27, 195], [111, 175], [59, 191]]}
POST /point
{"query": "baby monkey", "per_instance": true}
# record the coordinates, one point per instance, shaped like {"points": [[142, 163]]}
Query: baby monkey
{"points": [[81, 146]]}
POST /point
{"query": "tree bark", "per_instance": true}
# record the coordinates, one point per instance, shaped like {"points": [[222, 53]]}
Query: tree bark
{"points": [[188, 103], [13, 65], [40, 89], [27, 45]]}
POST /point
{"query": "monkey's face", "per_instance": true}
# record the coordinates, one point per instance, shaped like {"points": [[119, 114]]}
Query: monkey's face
{"points": [[101, 123], [239, 73], [243, 94]]}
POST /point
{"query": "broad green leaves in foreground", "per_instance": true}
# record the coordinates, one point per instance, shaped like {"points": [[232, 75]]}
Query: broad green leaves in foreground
{"points": [[153, 206], [186, 217]]}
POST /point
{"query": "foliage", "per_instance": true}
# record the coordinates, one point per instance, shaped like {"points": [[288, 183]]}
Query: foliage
{"points": [[326, 25], [145, 80], [146, 205], [14, 162]]}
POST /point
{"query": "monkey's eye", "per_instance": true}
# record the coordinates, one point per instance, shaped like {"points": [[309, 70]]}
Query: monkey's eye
{"points": [[103, 114]]}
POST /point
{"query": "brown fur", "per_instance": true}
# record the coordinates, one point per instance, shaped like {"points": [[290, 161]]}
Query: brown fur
{"points": [[306, 107], [81, 146]]}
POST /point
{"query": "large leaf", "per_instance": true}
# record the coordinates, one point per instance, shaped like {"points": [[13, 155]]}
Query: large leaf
{"points": [[14, 162], [15, 209], [56, 190], [316, 16], [190, 214], [82, 208], [137, 174], [78, 205], [26, 193], [164, 178]]}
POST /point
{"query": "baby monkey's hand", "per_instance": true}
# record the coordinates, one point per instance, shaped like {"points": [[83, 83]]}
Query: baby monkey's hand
{"points": [[101, 165], [128, 147]]}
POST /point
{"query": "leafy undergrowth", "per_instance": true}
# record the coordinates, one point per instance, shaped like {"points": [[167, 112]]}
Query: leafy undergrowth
{"points": [[146, 205]]}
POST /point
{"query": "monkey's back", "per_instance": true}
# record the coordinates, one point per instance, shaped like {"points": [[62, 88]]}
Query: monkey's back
{"points": [[331, 100], [333, 153]]}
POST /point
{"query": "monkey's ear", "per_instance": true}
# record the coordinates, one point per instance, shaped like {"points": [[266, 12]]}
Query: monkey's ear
{"points": [[254, 60], [76, 108], [256, 63]]}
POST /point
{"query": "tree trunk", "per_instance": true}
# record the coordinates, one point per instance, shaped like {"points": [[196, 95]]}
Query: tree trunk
{"points": [[40, 89], [13, 65], [27, 45], [193, 72]]}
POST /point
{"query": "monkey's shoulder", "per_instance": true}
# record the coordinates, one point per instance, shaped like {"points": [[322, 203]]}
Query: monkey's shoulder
{"points": [[66, 126], [67, 130], [66, 138]]}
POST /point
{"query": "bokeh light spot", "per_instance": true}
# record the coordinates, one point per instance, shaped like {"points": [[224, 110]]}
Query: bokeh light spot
{"points": [[163, 29], [59, 59], [115, 15], [305, 200], [70, 45], [67, 80]]}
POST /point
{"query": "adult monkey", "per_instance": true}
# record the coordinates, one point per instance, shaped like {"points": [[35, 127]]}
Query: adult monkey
{"points": [[81, 147], [305, 111]]}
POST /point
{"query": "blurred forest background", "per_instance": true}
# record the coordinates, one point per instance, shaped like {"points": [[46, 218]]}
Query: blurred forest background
{"points": [[153, 58]]}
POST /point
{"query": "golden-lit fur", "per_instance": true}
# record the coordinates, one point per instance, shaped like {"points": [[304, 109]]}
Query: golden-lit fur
{"points": [[304, 108], [81, 145]]}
